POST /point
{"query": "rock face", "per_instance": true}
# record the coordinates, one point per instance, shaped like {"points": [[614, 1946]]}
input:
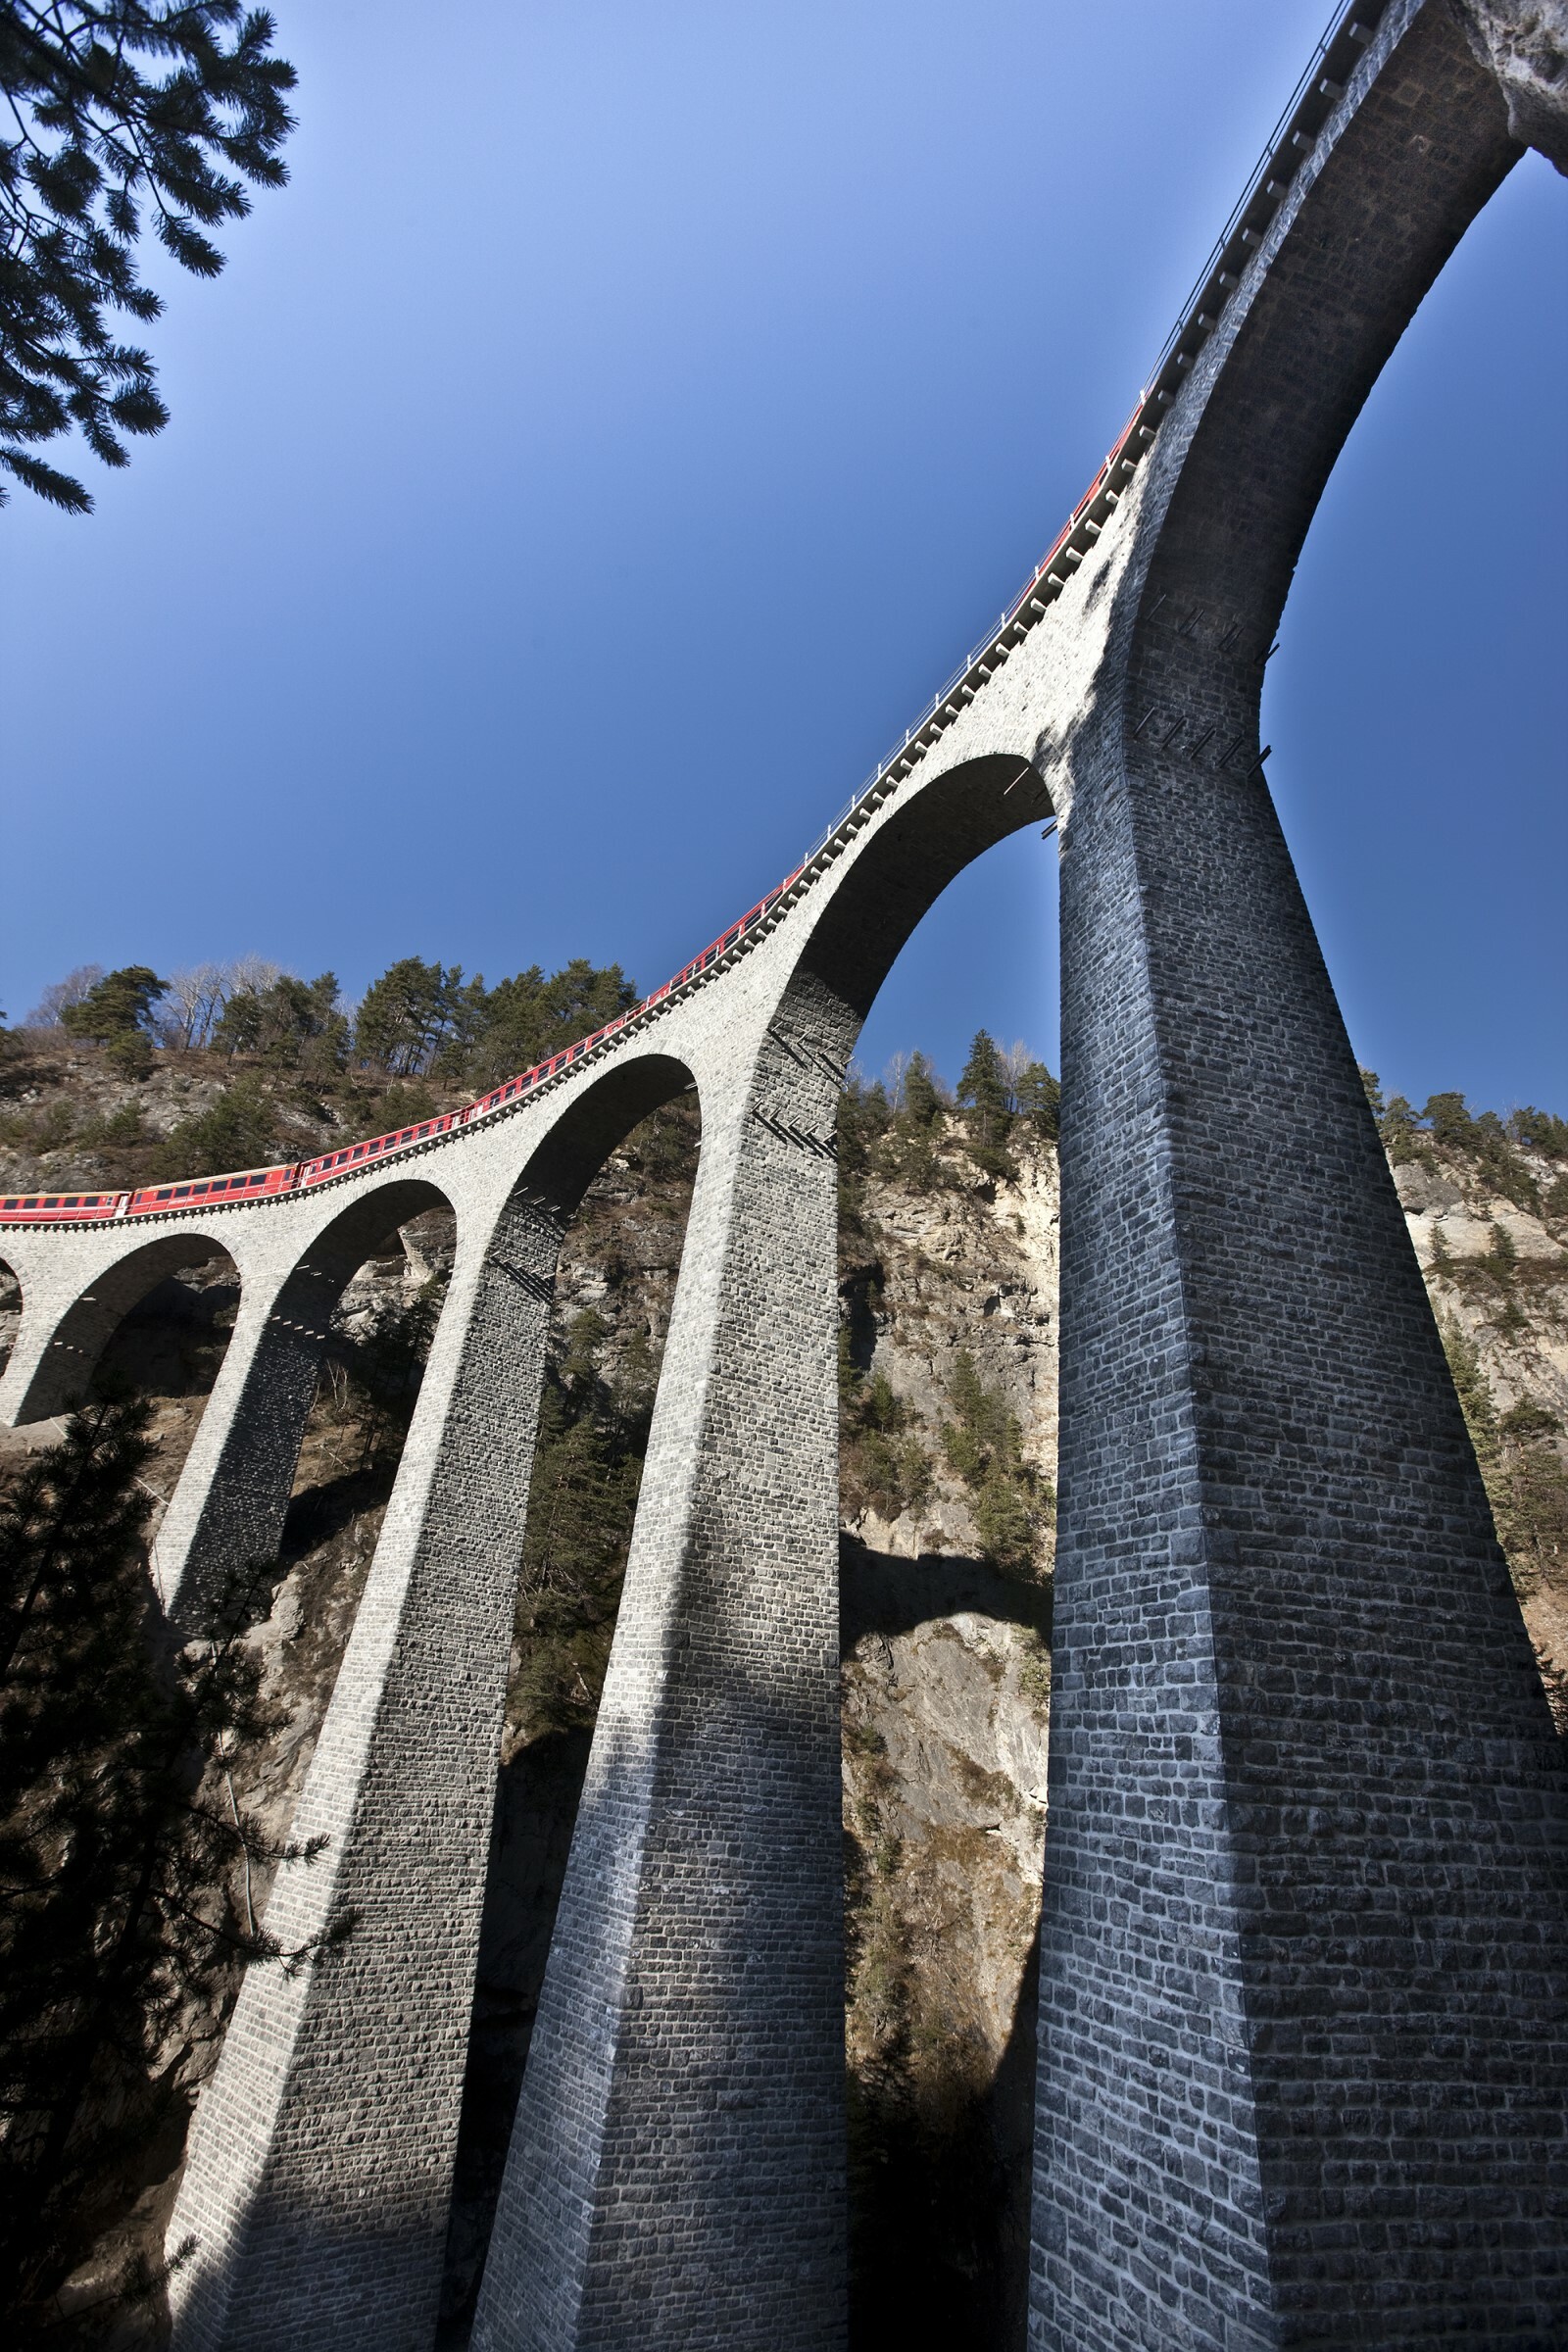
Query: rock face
{"points": [[1525, 42], [970, 1264], [1497, 1271]]}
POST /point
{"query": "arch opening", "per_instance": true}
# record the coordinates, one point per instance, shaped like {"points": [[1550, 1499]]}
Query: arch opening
{"points": [[133, 1285], [170, 1347], [900, 873], [160, 1322], [614, 1180], [368, 1296], [10, 1312]]}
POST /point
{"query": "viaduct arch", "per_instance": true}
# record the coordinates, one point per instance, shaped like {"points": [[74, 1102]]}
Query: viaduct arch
{"points": [[1304, 2073], [59, 1351]]}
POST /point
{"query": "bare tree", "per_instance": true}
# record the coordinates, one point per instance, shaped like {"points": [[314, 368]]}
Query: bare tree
{"points": [[75, 985], [893, 1079], [253, 975], [1014, 1059], [193, 1001]]}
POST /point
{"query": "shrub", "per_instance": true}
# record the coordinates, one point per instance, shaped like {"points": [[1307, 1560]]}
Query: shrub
{"points": [[1011, 1503], [235, 1131]]}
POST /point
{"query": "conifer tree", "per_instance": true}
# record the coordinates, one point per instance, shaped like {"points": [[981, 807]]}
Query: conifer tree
{"points": [[922, 1102], [1039, 1099], [117, 1012], [983, 1089], [415, 1014], [117, 108], [291, 1021], [119, 1003], [124, 1860], [529, 1017]]}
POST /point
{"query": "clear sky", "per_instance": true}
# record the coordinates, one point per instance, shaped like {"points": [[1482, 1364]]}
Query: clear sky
{"points": [[590, 463]]}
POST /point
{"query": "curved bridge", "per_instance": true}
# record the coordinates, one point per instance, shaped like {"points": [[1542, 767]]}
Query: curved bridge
{"points": [[1304, 2056]]}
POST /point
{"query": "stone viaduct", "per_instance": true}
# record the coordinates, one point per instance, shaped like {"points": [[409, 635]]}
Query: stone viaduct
{"points": [[1304, 2045]]}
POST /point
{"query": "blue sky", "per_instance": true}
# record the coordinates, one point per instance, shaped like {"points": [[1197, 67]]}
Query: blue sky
{"points": [[593, 459]]}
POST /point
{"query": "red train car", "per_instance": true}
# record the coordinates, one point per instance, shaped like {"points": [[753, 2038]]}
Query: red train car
{"points": [[251, 1184], [60, 1208], [355, 1155]]}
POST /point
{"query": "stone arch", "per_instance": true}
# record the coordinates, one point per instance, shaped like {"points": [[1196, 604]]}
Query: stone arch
{"points": [[1264, 1448], [72, 1354], [364, 1224], [426, 1667], [903, 868], [1246, 2233], [229, 1508], [1286, 374], [876, 910], [559, 1170]]}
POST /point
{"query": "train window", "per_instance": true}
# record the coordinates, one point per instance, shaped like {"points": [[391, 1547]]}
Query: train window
{"points": [[181, 1192], [52, 1203]]}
